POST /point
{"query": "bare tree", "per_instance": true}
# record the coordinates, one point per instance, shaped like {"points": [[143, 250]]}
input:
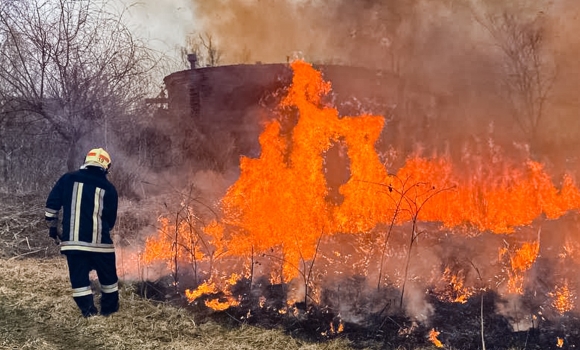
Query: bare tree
{"points": [[70, 68], [528, 75], [204, 47], [415, 195], [213, 53]]}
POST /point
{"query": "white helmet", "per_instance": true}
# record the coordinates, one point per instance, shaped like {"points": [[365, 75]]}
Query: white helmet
{"points": [[98, 157]]}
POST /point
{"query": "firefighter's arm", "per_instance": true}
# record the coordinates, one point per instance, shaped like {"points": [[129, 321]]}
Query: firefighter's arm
{"points": [[112, 203], [51, 218], [53, 205]]}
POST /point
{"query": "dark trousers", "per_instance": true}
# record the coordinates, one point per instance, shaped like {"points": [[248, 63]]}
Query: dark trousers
{"points": [[79, 265]]}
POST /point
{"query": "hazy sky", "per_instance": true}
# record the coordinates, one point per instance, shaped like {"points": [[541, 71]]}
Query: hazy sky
{"points": [[268, 30], [321, 30], [165, 23], [437, 39], [246, 30]]}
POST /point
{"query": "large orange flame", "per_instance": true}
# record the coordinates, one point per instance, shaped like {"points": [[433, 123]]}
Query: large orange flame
{"points": [[280, 198]]}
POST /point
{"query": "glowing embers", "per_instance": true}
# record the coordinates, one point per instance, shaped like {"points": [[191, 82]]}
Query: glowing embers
{"points": [[563, 298]]}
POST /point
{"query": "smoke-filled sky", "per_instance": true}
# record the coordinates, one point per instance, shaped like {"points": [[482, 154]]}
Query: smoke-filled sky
{"points": [[164, 23], [438, 44], [323, 30]]}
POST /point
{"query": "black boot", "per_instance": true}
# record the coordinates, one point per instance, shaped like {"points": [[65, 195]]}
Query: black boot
{"points": [[86, 305], [109, 303]]}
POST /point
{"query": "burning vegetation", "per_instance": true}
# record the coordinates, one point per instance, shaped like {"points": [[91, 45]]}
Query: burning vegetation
{"points": [[318, 234]]}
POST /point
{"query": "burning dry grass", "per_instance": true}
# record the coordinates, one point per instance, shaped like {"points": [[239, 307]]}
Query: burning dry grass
{"points": [[326, 253], [37, 312]]}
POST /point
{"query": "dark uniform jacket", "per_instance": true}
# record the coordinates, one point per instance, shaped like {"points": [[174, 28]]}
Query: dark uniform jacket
{"points": [[89, 202]]}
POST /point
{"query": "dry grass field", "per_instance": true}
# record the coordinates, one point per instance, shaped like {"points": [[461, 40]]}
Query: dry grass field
{"points": [[38, 312]]}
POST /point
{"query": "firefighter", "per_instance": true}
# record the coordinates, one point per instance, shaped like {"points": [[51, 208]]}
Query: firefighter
{"points": [[89, 203]]}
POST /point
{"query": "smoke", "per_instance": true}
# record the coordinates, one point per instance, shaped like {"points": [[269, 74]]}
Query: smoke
{"points": [[269, 32], [164, 24], [440, 47], [365, 33], [165, 195], [442, 43]]}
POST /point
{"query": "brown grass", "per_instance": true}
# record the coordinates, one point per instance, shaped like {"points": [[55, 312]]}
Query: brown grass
{"points": [[38, 312]]}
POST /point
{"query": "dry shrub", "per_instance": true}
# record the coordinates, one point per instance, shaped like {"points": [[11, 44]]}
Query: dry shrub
{"points": [[22, 228], [133, 217], [126, 181]]}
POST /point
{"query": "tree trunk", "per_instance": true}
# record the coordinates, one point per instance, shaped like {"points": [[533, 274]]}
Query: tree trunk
{"points": [[72, 160]]}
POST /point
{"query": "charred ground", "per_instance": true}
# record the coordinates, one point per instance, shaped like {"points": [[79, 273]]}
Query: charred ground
{"points": [[459, 325]]}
